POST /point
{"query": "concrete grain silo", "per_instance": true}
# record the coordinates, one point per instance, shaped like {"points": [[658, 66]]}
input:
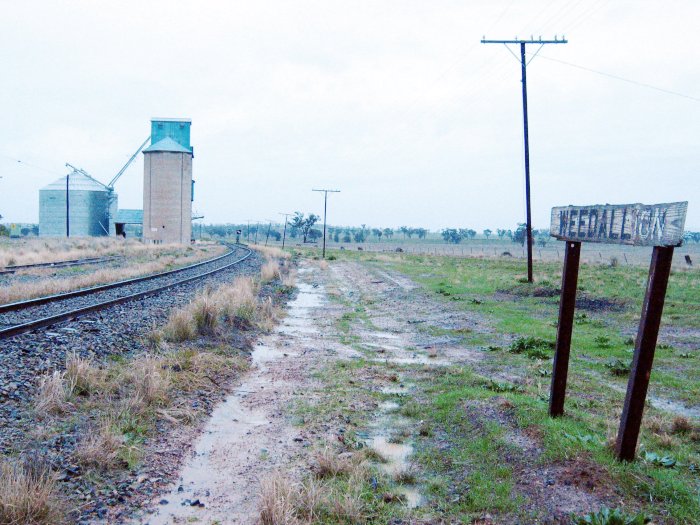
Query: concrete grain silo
{"points": [[167, 183], [85, 203]]}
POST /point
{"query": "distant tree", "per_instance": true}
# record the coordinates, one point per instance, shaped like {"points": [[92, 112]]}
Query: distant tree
{"points": [[315, 234], [501, 233], [276, 235], [542, 241], [35, 230], [359, 235], [4, 232], [487, 233], [388, 233], [452, 235], [520, 235], [421, 232], [404, 230], [336, 235], [303, 224], [25, 231], [377, 232]]}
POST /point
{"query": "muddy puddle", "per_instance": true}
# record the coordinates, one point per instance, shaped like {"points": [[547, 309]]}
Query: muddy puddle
{"points": [[228, 445], [384, 438]]}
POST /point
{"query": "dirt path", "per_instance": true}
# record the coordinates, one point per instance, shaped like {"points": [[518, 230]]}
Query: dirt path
{"points": [[403, 333], [249, 435]]}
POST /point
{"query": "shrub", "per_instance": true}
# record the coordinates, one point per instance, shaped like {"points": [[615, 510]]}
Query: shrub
{"points": [[605, 516], [533, 347]]}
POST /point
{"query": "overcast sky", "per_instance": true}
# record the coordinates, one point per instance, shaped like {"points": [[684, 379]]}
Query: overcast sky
{"points": [[396, 103]]}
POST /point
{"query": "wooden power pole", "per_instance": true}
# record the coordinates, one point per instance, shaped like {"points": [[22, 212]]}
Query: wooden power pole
{"points": [[523, 65], [325, 208]]}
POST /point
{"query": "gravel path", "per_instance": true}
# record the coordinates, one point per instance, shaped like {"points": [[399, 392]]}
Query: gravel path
{"points": [[116, 330]]}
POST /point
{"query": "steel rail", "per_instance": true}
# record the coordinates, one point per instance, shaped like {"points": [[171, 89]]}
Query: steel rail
{"points": [[58, 264], [19, 305], [65, 316]]}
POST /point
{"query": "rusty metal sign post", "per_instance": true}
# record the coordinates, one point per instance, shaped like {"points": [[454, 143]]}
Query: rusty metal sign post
{"points": [[658, 225]]}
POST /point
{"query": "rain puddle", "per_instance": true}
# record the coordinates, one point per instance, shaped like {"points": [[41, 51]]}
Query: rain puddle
{"points": [[661, 403], [396, 462], [209, 474]]}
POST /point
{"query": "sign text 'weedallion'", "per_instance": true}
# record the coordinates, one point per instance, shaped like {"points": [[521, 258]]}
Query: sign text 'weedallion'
{"points": [[633, 224]]}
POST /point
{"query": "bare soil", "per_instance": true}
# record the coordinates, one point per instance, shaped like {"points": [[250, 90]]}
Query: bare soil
{"points": [[254, 432]]}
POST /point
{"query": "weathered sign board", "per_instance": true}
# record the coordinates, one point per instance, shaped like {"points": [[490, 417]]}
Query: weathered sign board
{"points": [[632, 224], [657, 225]]}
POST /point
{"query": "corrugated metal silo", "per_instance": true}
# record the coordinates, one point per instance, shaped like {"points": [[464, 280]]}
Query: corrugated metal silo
{"points": [[88, 207]]}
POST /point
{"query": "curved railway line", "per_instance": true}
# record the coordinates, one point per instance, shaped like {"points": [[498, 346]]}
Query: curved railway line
{"points": [[58, 264], [25, 316]]}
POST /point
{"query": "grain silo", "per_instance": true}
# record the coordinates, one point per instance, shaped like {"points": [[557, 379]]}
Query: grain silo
{"points": [[167, 183], [75, 205]]}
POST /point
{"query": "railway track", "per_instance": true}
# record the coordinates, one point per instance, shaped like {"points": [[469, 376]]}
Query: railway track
{"points": [[26, 316], [58, 264]]}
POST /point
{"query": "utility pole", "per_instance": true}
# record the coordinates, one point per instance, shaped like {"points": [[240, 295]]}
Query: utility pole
{"points": [[268, 232], [284, 235], [257, 228], [523, 65], [67, 205], [325, 208]]}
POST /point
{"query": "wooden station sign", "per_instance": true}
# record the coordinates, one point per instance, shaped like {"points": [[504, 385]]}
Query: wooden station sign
{"points": [[658, 225], [632, 224]]}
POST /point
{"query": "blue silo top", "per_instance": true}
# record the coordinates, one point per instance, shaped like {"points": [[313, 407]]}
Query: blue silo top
{"points": [[173, 128]]}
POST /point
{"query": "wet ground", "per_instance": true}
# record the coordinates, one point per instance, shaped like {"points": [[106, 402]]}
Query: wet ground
{"points": [[254, 432]]}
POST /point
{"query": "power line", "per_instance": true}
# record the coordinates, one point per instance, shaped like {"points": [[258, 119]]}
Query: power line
{"points": [[523, 66], [18, 161], [623, 79]]}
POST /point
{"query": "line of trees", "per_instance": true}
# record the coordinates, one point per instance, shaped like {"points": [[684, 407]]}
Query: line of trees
{"points": [[306, 228]]}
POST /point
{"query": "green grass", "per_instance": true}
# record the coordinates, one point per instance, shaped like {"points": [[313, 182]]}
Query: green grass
{"points": [[461, 455]]}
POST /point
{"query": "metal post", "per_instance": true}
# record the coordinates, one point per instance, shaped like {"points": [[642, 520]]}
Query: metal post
{"points": [[567, 305], [68, 205], [527, 164], [652, 308], [284, 235], [325, 208]]}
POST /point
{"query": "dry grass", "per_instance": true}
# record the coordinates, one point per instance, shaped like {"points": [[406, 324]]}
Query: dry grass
{"points": [[235, 304], [681, 425], [100, 449], [52, 395], [143, 260], [180, 327], [323, 265], [205, 314], [150, 380], [328, 463], [82, 376], [28, 494], [272, 252], [289, 278], [278, 501], [318, 500], [270, 271]]}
